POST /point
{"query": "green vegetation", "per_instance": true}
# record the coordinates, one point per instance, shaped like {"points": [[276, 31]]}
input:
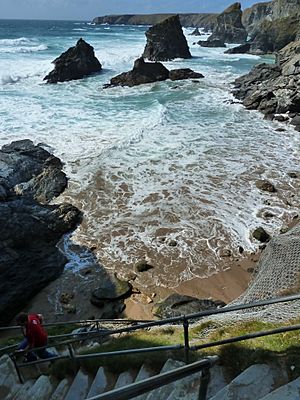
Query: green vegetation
{"points": [[281, 349]]}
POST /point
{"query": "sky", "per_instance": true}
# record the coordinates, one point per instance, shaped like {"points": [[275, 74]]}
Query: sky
{"points": [[86, 10]]}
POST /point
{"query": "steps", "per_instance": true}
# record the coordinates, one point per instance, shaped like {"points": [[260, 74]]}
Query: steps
{"points": [[258, 382]]}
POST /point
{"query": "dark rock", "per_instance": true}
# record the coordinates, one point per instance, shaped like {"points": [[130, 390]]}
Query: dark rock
{"points": [[176, 305], [293, 175], [142, 72], [242, 49], [261, 235], [75, 63], [184, 73], [143, 266], [111, 288], [212, 43], [265, 186], [223, 253], [296, 120], [229, 27], [148, 72], [196, 32], [166, 41], [29, 231]]}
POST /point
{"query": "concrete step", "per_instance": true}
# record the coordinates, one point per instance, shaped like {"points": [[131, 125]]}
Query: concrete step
{"points": [[42, 389], [22, 392], [61, 390], [252, 384], [145, 372], [165, 391], [9, 380], [217, 381], [290, 391], [99, 384], [124, 379], [79, 387]]}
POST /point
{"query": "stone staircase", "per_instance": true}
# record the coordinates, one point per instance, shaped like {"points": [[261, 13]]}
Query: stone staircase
{"points": [[258, 382]]}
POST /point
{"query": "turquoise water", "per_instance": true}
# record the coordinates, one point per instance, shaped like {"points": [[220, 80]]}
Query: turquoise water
{"points": [[169, 161]]}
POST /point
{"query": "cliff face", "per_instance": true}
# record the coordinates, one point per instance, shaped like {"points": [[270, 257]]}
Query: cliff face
{"points": [[204, 20], [270, 11], [229, 27]]}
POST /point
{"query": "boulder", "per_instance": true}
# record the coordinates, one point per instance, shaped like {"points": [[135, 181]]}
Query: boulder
{"points": [[261, 235], [176, 305], [148, 72], [184, 73], [195, 32], [229, 27], [29, 230], [273, 89], [212, 43], [77, 62], [265, 186], [166, 41], [142, 72], [242, 49], [112, 288]]}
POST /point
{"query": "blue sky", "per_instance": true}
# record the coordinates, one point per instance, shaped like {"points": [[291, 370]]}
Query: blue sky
{"points": [[88, 9]]}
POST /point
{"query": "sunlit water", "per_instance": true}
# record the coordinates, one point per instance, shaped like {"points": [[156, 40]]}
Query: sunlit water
{"points": [[164, 171]]}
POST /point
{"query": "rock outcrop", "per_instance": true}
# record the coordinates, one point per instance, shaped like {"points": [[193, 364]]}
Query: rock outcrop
{"points": [[30, 228], [166, 41], [148, 72], [203, 20], [242, 49], [272, 25], [176, 305], [212, 43], [229, 27], [77, 62], [274, 89]]}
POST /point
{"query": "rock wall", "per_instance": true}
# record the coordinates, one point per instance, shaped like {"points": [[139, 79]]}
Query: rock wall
{"points": [[30, 228]]}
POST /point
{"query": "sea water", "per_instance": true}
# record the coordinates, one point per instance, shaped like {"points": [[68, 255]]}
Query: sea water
{"points": [[164, 172]]}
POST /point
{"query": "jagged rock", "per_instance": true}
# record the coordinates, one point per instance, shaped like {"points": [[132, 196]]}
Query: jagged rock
{"points": [[176, 305], [212, 43], [261, 235], [195, 32], [112, 288], [75, 63], [29, 231], [270, 24], [273, 89], [265, 185], [147, 72], [166, 41], [143, 266], [242, 49], [229, 27], [184, 73], [142, 72]]}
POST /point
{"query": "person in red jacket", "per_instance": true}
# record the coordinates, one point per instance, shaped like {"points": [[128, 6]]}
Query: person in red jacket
{"points": [[34, 336]]}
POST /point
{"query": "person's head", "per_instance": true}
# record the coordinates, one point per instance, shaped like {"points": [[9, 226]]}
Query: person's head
{"points": [[22, 318]]}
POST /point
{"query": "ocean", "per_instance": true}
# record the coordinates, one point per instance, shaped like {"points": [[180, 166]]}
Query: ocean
{"points": [[164, 172]]}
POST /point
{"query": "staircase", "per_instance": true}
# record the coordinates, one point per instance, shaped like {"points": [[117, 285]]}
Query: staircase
{"points": [[258, 382]]}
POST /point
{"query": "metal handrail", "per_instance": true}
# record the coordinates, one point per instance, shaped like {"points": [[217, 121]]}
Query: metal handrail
{"points": [[146, 385]]}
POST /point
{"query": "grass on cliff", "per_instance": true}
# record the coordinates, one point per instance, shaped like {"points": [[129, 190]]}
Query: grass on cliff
{"points": [[282, 349]]}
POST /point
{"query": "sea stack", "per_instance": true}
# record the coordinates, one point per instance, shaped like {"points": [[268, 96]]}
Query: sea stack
{"points": [[75, 63], [166, 41], [229, 27]]}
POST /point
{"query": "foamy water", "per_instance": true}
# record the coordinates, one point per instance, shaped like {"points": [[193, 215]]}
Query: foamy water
{"points": [[164, 171]]}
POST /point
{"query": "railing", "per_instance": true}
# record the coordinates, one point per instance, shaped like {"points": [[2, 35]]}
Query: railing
{"points": [[147, 385], [184, 320]]}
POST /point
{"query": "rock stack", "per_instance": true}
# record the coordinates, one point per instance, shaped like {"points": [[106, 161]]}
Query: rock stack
{"points": [[77, 62], [166, 41]]}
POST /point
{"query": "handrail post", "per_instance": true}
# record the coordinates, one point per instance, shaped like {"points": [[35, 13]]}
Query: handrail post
{"points": [[13, 359], [186, 339], [204, 381], [73, 358]]}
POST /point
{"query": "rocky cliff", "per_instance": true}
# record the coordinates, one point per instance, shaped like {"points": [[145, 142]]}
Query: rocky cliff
{"points": [[229, 27], [203, 20], [274, 89], [29, 227]]}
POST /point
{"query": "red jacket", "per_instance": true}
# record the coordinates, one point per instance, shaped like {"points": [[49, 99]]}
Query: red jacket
{"points": [[34, 332]]}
